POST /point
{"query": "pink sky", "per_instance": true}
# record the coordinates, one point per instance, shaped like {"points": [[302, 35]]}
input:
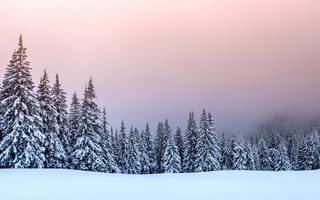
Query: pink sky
{"points": [[242, 59]]}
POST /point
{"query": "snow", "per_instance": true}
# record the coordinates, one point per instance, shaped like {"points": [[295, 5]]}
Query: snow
{"points": [[52, 184]]}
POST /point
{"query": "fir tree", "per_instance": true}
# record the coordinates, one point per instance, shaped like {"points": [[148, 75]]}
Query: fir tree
{"points": [[178, 139], [308, 154], [240, 156], [143, 154], [159, 148], [60, 103], [263, 152], [110, 164], [251, 164], [54, 152], [292, 148], [149, 149], [191, 139], [74, 118], [133, 164], [22, 144], [171, 162], [88, 153], [283, 162], [123, 146], [208, 152]]}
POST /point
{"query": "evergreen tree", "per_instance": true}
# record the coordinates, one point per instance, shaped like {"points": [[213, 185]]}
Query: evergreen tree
{"points": [[110, 164], [159, 148], [74, 119], [88, 153], [275, 140], [207, 149], [22, 144], [251, 164], [178, 139], [284, 162], [143, 154], [171, 162], [191, 139], [255, 154], [224, 150], [292, 148], [240, 156], [54, 150], [263, 152], [274, 159], [123, 147], [149, 149], [308, 154], [60, 103], [133, 164]]}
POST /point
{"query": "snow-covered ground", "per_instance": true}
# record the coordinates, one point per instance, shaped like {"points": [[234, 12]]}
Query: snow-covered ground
{"points": [[56, 184]]}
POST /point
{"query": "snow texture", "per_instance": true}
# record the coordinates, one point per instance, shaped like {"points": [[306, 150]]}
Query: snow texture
{"points": [[52, 184]]}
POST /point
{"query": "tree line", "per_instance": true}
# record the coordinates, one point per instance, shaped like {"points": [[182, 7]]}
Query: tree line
{"points": [[37, 130]]}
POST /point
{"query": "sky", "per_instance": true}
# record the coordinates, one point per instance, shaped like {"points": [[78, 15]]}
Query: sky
{"points": [[243, 60]]}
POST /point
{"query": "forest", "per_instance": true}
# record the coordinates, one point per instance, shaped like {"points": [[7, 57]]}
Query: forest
{"points": [[39, 130]]}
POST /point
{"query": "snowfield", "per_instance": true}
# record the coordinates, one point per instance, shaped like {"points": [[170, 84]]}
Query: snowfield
{"points": [[54, 184]]}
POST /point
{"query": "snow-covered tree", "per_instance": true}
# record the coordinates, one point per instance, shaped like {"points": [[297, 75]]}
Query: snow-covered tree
{"points": [[263, 152], [133, 164], [59, 101], [159, 147], [178, 139], [74, 119], [308, 153], [191, 138], [22, 144], [240, 155], [284, 161], [292, 142], [207, 149], [149, 149], [251, 164], [110, 164], [122, 149], [88, 153], [275, 140], [171, 162], [54, 150]]}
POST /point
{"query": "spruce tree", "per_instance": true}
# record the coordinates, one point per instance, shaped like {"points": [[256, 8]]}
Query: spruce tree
{"points": [[263, 152], [133, 165], [54, 150], [292, 148], [88, 152], [171, 162], [60, 103], [149, 149], [308, 153], [224, 150], [123, 147], [178, 139], [159, 148], [284, 161], [191, 139], [251, 164], [207, 149], [22, 144], [240, 156], [110, 164], [74, 119]]}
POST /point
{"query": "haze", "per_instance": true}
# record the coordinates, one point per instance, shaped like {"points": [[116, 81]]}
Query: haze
{"points": [[241, 59]]}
